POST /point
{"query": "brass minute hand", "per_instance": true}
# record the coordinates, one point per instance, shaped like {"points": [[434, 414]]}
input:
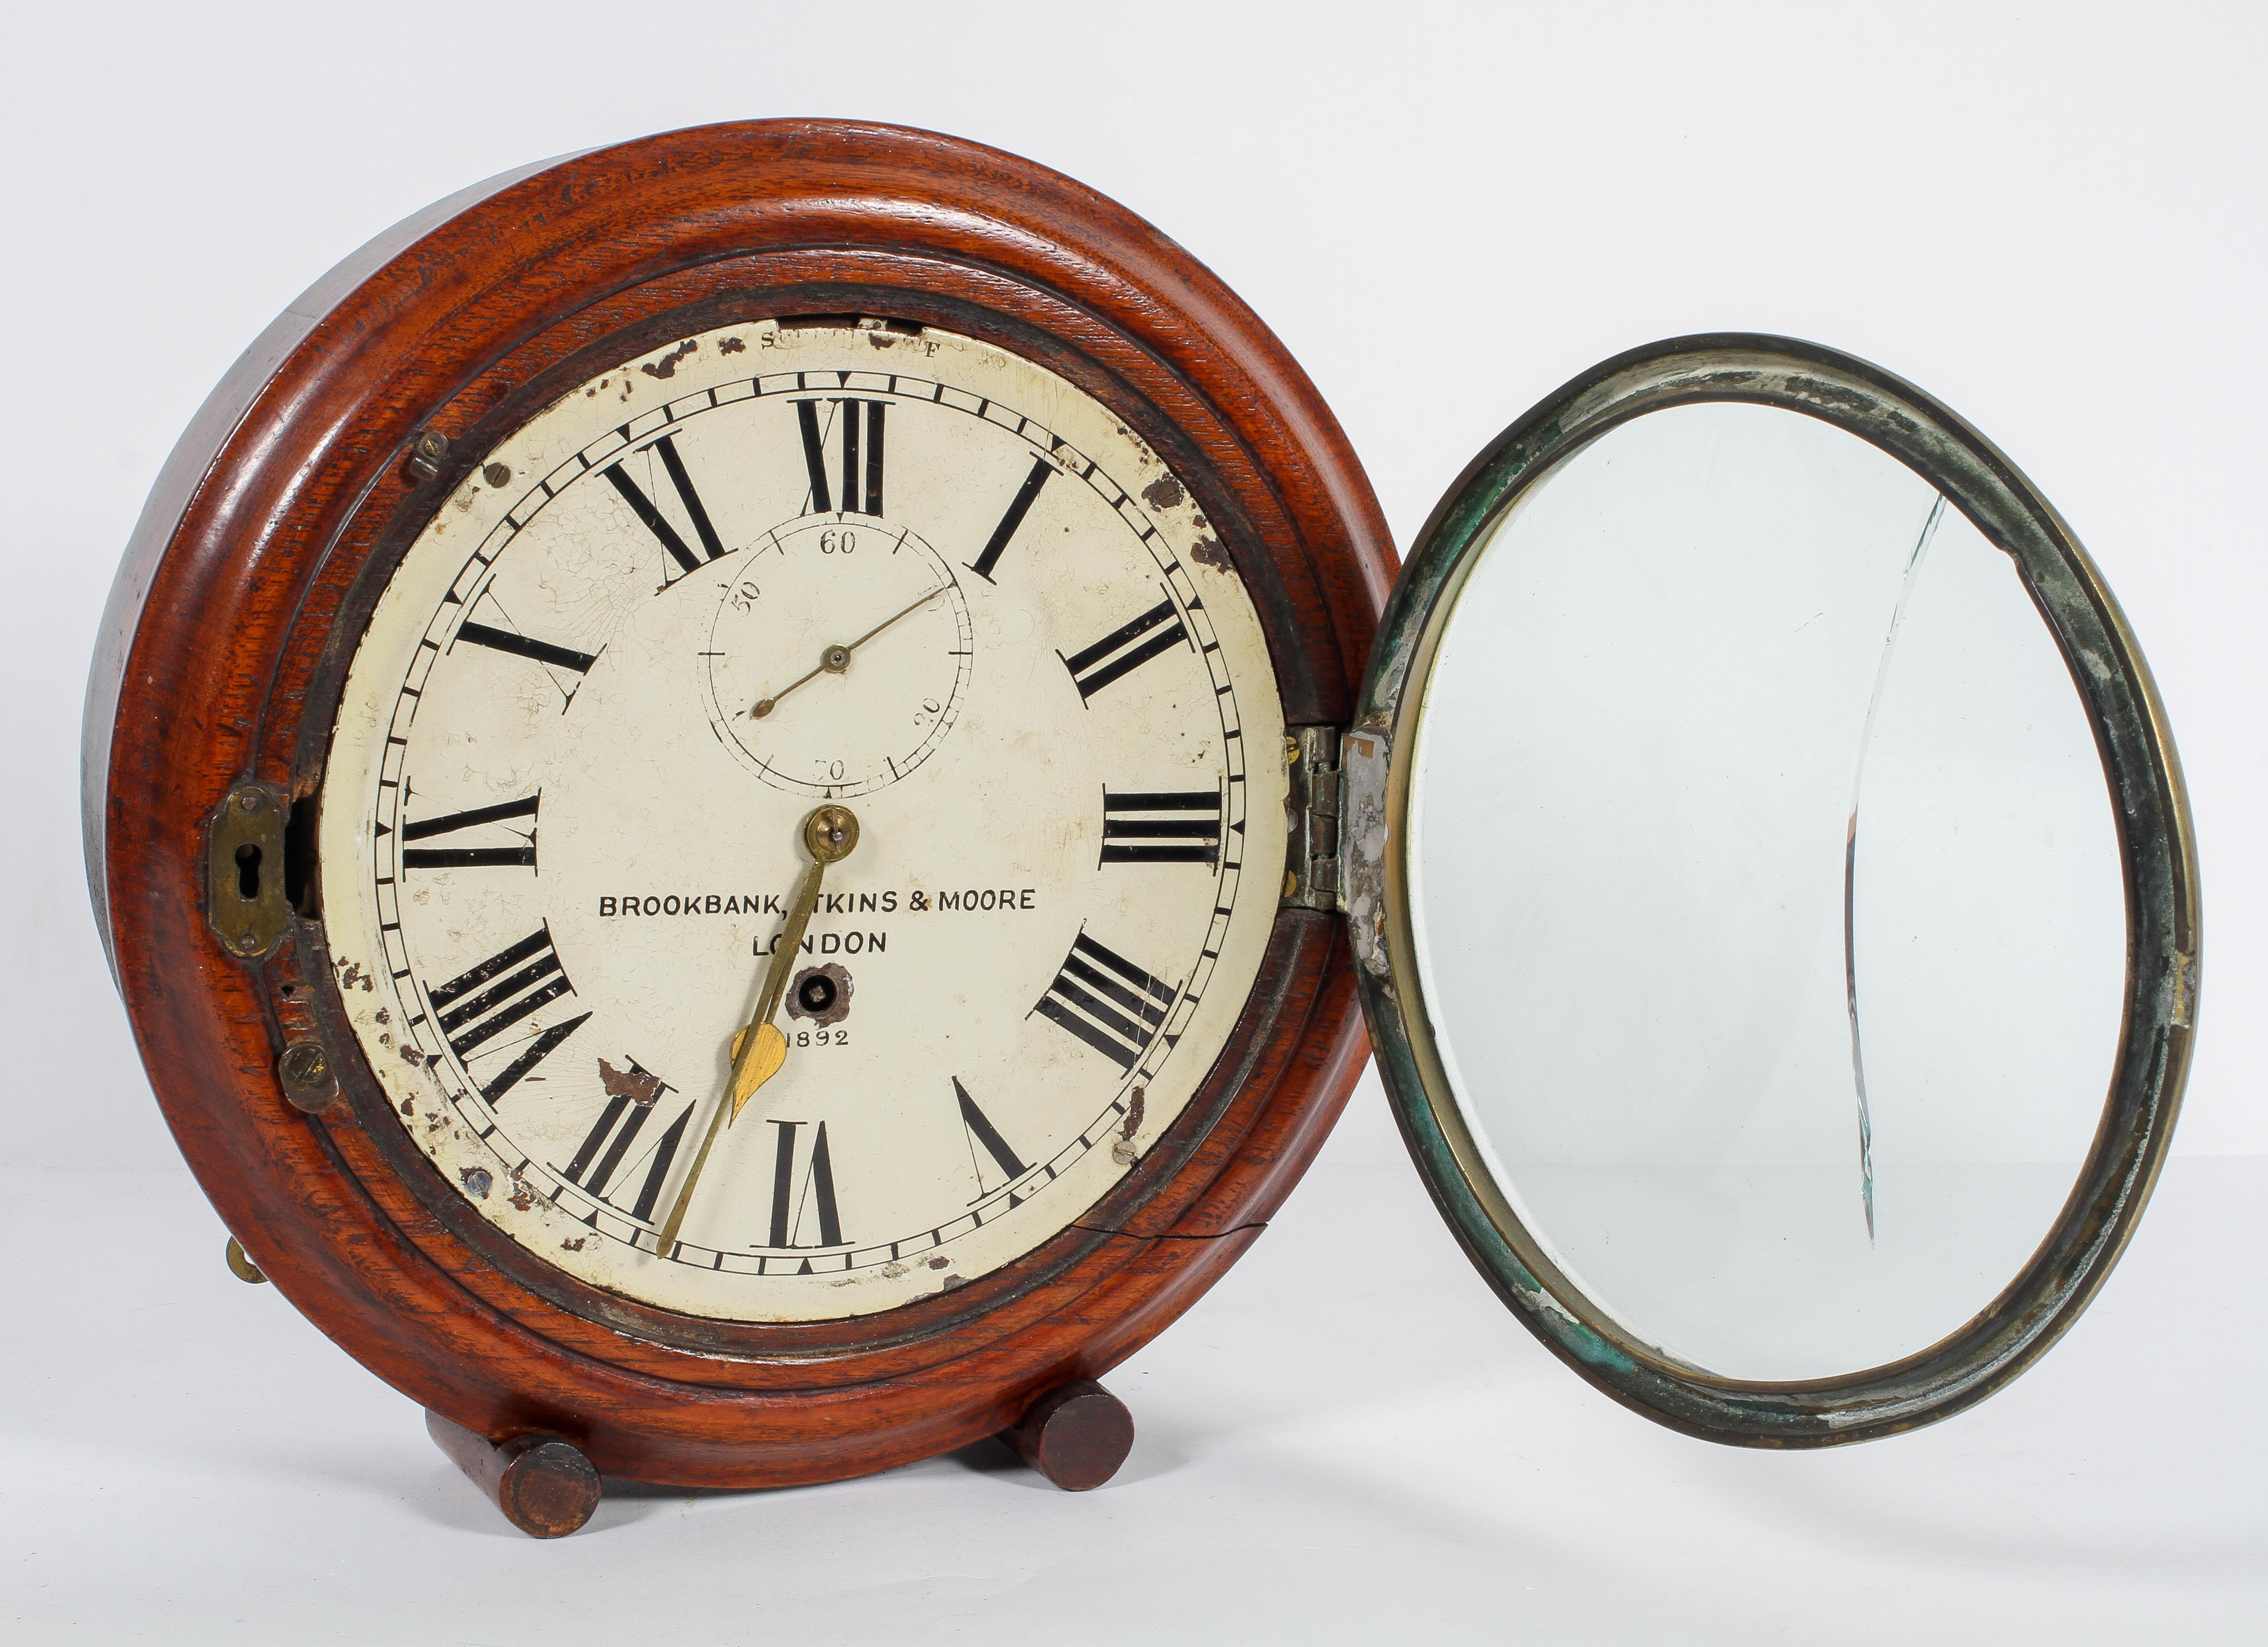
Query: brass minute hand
{"points": [[836, 659], [759, 1049]]}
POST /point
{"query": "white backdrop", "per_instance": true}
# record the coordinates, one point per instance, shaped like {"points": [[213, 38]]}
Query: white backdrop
{"points": [[2049, 217]]}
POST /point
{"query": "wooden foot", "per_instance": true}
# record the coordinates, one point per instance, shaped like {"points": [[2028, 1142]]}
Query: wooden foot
{"points": [[1077, 1435], [543, 1484]]}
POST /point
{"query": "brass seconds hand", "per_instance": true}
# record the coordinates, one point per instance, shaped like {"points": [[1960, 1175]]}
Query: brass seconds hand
{"points": [[759, 1049], [836, 659]]}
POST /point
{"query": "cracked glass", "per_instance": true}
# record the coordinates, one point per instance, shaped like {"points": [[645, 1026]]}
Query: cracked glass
{"points": [[1766, 894]]}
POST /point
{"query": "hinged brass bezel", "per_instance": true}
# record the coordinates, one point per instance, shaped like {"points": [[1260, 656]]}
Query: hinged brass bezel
{"points": [[249, 820], [2156, 837]]}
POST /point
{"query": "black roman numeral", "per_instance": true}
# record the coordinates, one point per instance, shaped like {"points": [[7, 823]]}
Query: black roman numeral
{"points": [[607, 1147], [858, 425], [818, 1187], [982, 1131], [521, 857], [479, 1005], [521, 646], [1018, 508], [1106, 1001], [1190, 833], [535, 1053], [650, 517], [1117, 653]]}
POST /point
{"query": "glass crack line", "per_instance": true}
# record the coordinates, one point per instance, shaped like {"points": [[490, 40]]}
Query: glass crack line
{"points": [[1851, 865]]}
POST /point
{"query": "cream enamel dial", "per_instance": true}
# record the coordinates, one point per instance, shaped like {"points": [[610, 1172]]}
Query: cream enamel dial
{"points": [[770, 566]]}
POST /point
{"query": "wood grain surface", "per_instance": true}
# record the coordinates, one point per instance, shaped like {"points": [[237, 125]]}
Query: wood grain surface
{"points": [[544, 1485], [252, 575], [1077, 1435]]}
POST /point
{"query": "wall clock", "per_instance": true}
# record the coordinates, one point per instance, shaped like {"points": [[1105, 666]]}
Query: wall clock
{"points": [[756, 794]]}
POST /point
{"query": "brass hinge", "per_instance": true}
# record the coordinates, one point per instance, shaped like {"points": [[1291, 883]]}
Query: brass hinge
{"points": [[1311, 879]]}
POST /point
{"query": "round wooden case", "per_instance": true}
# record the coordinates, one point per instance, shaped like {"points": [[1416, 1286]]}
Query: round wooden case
{"points": [[254, 571]]}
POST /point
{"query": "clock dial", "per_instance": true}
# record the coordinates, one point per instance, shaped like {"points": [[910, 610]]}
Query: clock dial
{"points": [[868, 602], [769, 568]]}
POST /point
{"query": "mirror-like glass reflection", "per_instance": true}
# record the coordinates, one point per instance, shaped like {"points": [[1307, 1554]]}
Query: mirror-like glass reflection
{"points": [[1766, 893]]}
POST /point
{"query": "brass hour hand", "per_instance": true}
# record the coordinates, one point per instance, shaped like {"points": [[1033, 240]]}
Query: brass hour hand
{"points": [[759, 1049]]}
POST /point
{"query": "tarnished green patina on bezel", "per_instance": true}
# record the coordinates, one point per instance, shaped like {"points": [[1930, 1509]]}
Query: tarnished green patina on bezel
{"points": [[2155, 838]]}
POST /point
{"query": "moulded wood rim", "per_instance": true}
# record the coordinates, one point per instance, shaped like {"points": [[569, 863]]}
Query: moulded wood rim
{"points": [[214, 650]]}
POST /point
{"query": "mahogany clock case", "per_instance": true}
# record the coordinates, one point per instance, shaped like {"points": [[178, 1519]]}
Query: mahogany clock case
{"points": [[255, 570], [255, 567]]}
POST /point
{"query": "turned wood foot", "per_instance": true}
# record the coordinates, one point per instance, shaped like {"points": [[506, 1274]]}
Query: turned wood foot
{"points": [[1077, 1435], [543, 1484]]}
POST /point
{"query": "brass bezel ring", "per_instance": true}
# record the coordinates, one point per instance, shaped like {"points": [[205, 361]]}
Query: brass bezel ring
{"points": [[2156, 843]]}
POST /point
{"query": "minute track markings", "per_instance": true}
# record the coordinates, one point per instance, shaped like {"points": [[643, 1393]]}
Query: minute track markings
{"points": [[822, 498], [918, 390], [1190, 827]]}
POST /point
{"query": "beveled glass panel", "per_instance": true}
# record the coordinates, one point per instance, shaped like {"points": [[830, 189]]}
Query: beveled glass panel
{"points": [[1765, 893]]}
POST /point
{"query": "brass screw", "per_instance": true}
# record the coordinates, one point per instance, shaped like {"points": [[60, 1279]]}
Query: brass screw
{"points": [[305, 1071], [250, 801], [241, 1266], [1291, 750], [303, 1065], [1290, 883], [426, 452], [497, 474]]}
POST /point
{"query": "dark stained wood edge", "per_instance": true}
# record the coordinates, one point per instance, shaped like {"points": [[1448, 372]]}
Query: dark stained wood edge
{"points": [[259, 555], [185, 472], [543, 1484], [628, 323], [1077, 1435]]}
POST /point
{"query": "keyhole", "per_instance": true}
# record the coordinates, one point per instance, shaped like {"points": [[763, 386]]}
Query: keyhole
{"points": [[248, 872], [817, 994]]}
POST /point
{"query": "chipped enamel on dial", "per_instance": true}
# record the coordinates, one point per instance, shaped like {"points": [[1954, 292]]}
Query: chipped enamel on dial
{"points": [[558, 841]]}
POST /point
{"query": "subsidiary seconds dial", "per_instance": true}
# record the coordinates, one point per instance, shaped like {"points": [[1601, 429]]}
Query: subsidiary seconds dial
{"points": [[771, 570], [841, 646]]}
